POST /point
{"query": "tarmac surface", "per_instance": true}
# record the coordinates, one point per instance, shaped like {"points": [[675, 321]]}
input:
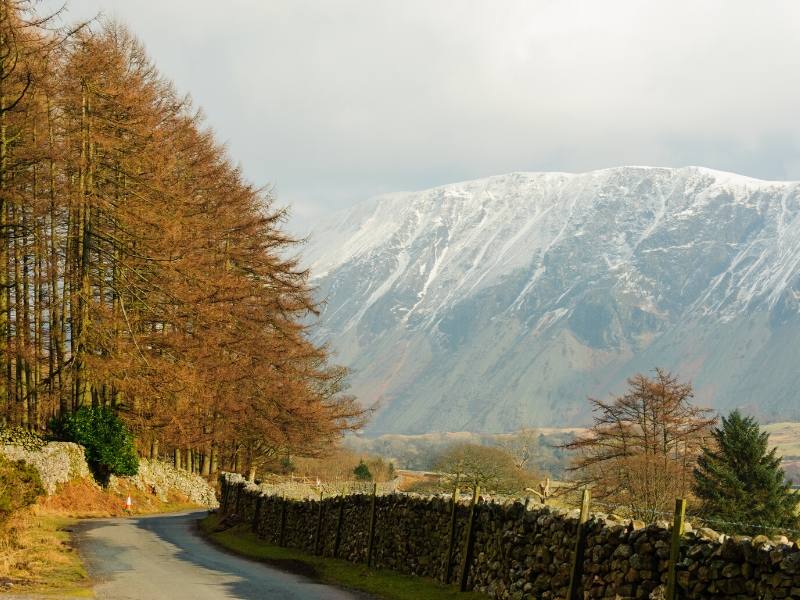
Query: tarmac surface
{"points": [[166, 558]]}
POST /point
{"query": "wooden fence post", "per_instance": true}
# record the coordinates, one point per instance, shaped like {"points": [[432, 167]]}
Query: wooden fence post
{"points": [[319, 526], [466, 556], [256, 514], [371, 534], [675, 547], [223, 501], [282, 535], [576, 572], [337, 540], [448, 559]]}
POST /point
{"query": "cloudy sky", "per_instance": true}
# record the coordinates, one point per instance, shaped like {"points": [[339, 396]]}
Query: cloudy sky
{"points": [[334, 101]]}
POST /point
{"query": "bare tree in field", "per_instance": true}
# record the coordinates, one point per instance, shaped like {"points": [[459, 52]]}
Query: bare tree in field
{"points": [[639, 453], [493, 469], [522, 445]]}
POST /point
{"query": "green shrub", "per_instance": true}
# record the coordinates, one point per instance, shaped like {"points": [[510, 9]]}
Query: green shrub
{"points": [[109, 444], [362, 472], [17, 436], [20, 485]]}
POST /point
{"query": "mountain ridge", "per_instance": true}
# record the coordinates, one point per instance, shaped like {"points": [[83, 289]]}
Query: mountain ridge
{"points": [[502, 302]]}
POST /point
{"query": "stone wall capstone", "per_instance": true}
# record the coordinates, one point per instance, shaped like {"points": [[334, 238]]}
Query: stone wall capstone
{"points": [[522, 553]]}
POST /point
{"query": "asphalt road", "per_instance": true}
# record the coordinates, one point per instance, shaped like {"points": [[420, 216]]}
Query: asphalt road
{"points": [[165, 558]]}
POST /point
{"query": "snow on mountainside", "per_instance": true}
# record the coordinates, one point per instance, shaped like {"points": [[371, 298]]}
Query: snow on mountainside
{"points": [[503, 302]]}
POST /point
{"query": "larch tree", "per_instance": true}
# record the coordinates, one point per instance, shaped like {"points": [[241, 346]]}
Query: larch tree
{"points": [[139, 270], [642, 447]]}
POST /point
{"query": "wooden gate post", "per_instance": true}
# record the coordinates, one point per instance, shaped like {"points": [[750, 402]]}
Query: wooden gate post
{"points": [[337, 540], [282, 535], [447, 572], [469, 540], [675, 547], [576, 571], [371, 534], [319, 526]]}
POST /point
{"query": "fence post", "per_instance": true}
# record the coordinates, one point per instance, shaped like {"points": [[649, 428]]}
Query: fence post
{"points": [[448, 560], [675, 547], [223, 500], [319, 526], [339, 519], [576, 572], [469, 539], [371, 525], [282, 535], [256, 514]]}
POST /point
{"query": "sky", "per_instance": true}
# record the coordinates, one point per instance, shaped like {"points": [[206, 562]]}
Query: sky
{"points": [[331, 102]]}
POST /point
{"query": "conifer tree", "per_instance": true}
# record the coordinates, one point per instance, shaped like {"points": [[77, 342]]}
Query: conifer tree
{"points": [[739, 480]]}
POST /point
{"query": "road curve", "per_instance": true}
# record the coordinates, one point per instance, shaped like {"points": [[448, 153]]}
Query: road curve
{"points": [[164, 558]]}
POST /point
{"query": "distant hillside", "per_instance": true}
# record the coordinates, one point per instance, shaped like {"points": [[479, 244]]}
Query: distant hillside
{"points": [[502, 303]]}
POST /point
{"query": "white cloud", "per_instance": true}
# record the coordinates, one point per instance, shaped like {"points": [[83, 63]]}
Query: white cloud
{"points": [[334, 101]]}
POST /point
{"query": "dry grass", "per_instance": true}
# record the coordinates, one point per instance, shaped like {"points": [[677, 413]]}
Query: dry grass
{"points": [[36, 555], [36, 552]]}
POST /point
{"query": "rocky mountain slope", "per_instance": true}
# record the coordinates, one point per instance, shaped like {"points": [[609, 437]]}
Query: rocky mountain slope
{"points": [[500, 303]]}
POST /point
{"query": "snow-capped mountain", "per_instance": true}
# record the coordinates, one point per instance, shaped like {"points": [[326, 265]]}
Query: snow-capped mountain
{"points": [[504, 302]]}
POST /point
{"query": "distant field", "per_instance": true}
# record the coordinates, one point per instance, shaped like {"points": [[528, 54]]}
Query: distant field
{"points": [[415, 452], [786, 438]]}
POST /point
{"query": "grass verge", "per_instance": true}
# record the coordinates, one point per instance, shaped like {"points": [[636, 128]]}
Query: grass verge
{"points": [[37, 556], [380, 583]]}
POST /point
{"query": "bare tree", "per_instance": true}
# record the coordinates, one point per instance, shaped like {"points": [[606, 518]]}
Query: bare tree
{"points": [[522, 446], [641, 449], [493, 469]]}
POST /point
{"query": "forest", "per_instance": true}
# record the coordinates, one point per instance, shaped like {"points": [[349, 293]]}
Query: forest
{"points": [[140, 271]]}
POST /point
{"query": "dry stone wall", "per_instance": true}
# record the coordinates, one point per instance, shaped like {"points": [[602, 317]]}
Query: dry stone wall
{"points": [[521, 553], [162, 479], [56, 462], [61, 462]]}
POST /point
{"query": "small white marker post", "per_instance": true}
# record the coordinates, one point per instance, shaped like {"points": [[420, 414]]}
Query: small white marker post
{"points": [[128, 504]]}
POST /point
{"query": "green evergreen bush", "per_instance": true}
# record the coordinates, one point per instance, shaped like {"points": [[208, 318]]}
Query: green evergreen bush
{"points": [[739, 482], [362, 472], [108, 442], [20, 485]]}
